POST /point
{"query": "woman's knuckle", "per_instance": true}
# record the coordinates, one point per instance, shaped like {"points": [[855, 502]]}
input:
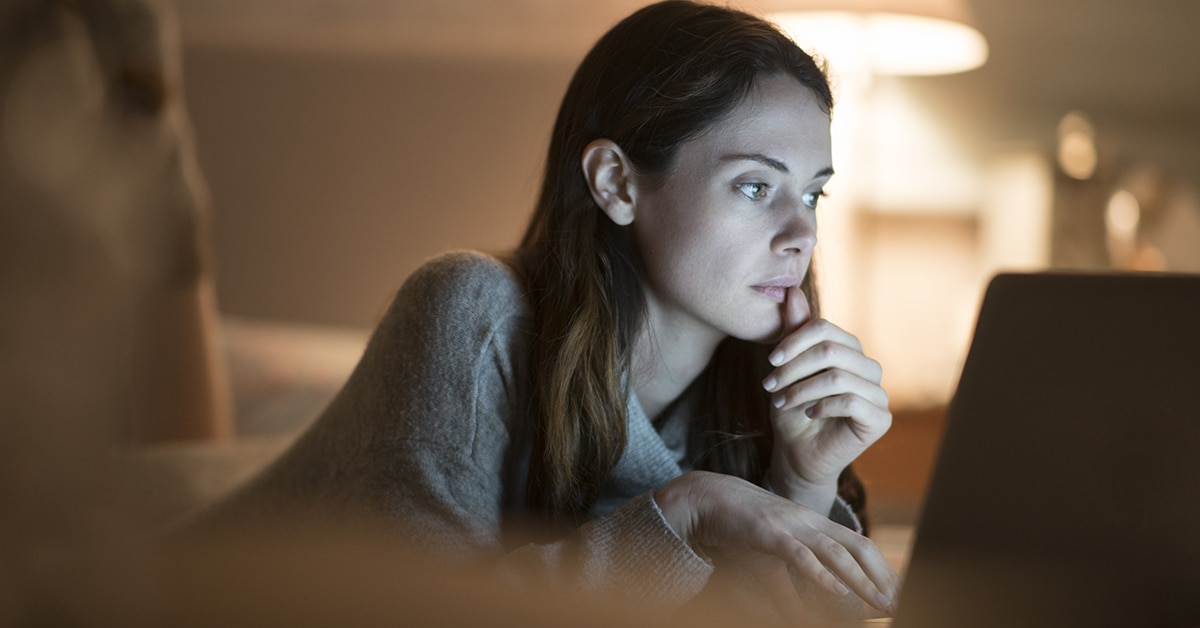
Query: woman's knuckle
{"points": [[803, 555], [832, 548], [859, 543], [874, 368]]}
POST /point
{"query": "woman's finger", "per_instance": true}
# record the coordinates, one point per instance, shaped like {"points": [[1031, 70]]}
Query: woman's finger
{"points": [[823, 356], [796, 311], [875, 564], [861, 566], [834, 557], [827, 562], [712, 509], [863, 412], [827, 384], [808, 335], [806, 562]]}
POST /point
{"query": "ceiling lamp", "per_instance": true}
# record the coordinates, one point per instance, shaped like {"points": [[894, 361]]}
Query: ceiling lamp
{"points": [[882, 37], [1077, 146]]}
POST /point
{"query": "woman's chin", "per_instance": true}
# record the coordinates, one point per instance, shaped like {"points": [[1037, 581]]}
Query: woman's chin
{"points": [[763, 335]]}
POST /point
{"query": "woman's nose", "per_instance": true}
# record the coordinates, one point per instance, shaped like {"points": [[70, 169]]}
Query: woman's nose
{"points": [[797, 233]]}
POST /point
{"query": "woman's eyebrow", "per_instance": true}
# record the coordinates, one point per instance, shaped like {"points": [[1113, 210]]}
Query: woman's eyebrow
{"points": [[769, 162], [773, 163]]}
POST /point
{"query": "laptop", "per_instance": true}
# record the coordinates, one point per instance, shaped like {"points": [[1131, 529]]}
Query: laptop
{"points": [[1067, 487]]}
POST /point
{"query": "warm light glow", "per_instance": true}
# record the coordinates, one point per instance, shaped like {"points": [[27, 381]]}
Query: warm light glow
{"points": [[910, 161], [1077, 146], [898, 234], [885, 43], [1016, 209], [1123, 215]]}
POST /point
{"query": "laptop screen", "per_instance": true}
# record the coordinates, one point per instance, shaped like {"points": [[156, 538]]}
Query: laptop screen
{"points": [[1067, 487]]}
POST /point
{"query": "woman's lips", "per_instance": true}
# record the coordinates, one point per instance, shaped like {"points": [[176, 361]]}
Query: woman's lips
{"points": [[774, 293], [776, 289]]}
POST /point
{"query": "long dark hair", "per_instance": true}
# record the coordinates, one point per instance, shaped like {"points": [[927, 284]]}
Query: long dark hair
{"points": [[658, 79]]}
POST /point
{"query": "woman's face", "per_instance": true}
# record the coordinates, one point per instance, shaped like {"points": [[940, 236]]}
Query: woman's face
{"points": [[733, 224]]}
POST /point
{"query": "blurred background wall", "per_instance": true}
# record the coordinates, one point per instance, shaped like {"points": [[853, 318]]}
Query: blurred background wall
{"points": [[345, 142], [337, 173]]}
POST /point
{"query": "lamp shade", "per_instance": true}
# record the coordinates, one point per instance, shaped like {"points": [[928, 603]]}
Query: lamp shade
{"points": [[896, 37]]}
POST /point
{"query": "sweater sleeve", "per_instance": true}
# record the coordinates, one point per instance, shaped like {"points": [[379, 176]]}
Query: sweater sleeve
{"points": [[630, 554], [428, 434]]}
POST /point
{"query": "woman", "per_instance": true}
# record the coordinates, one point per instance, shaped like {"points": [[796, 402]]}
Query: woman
{"points": [[648, 359]]}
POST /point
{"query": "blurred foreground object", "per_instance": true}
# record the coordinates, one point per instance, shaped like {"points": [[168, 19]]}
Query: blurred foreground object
{"points": [[108, 309], [107, 314]]}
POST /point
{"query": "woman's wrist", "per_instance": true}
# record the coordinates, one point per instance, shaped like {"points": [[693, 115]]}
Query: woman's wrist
{"points": [[673, 499], [818, 497]]}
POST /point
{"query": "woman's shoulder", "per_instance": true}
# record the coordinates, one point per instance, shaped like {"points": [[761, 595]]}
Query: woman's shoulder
{"points": [[465, 281], [459, 270], [465, 262]]}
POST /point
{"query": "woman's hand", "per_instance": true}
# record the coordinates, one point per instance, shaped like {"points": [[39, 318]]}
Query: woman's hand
{"points": [[787, 546], [828, 405]]}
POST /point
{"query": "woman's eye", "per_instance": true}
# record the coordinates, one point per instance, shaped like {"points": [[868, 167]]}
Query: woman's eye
{"points": [[812, 198], [754, 191]]}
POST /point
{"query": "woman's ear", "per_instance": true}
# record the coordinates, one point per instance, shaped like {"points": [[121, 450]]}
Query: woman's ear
{"points": [[610, 179]]}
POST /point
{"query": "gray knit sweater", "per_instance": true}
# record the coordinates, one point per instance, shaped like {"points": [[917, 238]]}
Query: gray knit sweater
{"points": [[430, 434]]}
